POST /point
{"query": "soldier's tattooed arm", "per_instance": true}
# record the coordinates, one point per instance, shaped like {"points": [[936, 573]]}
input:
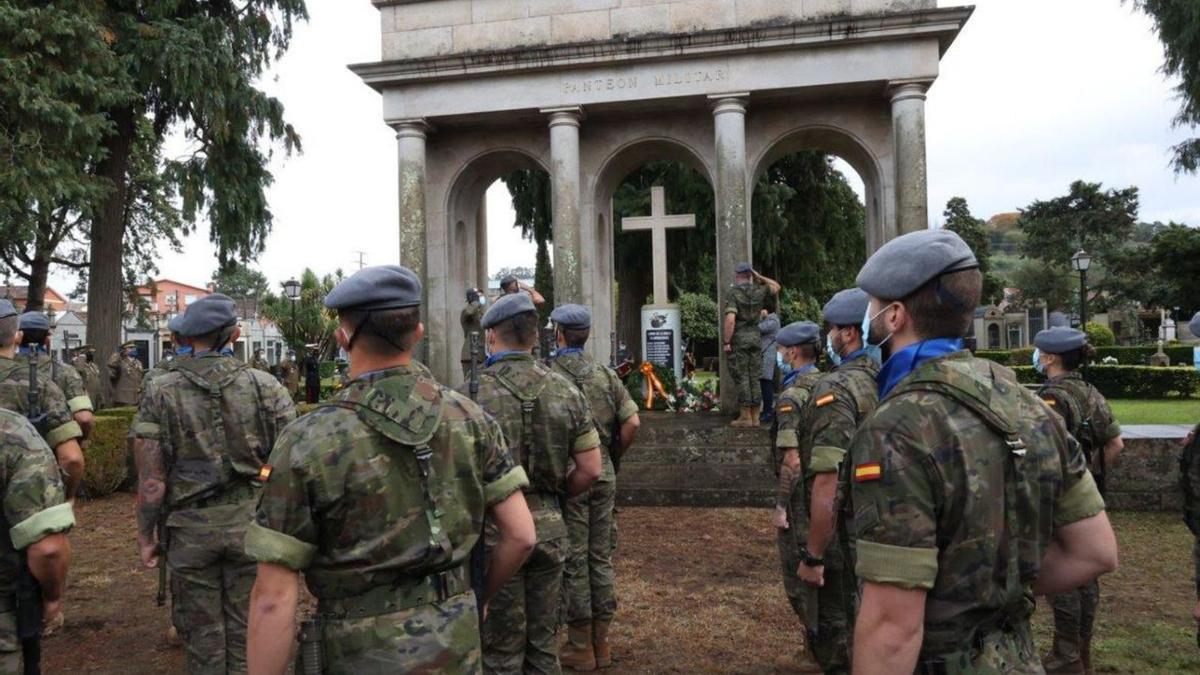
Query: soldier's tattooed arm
{"points": [[789, 477], [272, 618], [152, 485]]}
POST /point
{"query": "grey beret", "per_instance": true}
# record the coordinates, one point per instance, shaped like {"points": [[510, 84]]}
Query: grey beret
{"points": [[35, 321], [1060, 340], [1057, 319], [846, 308], [175, 325], [510, 279], [1194, 325], [572, 316], [208, 314], [743, 268], [908, 262], [376, 288], [6, 308], [799, 333], [506, 308]]}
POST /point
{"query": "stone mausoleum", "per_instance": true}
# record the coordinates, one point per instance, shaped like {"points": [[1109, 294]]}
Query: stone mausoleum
{"points": [[590, 90]]}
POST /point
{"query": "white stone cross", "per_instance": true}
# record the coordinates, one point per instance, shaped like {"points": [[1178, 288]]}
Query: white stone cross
{"points": [[658, 222]]}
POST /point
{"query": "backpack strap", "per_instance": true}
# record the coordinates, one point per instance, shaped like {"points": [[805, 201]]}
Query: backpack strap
{"points": [[528, 398]]}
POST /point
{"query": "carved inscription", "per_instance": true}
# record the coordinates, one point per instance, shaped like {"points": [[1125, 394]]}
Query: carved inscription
{"points": [[672, 78], [600, 84], [681, 77]]}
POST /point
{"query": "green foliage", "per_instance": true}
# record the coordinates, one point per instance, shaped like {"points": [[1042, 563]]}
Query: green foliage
{"points": [[125, 413], [1178, 25], [698, 316], [240, 281], [974, 232], [106, 455], [314, 324], [1100, 335], [530, 191], [1125, 356], [796, 305], [1139, 382], [1003, 357], [1052, 283]]}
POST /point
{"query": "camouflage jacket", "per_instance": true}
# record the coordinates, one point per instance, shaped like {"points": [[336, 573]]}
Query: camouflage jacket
{"points": [[289, 375], [606, 395], [790, 413], [933, 469], [125, 373], [345, 503], [746, 301], [1084, 410], [59, 425], [216, 421], [470, 317], [67, 379], [260, 364], [1189, 481], [90, 373], [35, 502], [559, 426]]}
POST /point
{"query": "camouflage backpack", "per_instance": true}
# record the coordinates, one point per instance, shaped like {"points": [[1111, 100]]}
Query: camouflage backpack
{"points": [[581, 372], [528, 396]]}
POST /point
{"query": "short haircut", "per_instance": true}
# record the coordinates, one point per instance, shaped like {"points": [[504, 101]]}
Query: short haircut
{"points": [[8, 331], [36, 336], [215, 339], [810, 351], [576, 337], [511, 287], [1076, 358], [945, 307], [519, 331], [384, 331]]}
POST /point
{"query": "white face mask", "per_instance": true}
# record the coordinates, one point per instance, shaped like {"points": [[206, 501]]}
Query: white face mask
{"points": [[873, 351], [834, 357]]}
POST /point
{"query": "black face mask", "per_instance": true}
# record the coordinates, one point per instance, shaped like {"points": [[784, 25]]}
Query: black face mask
{"points": [[91, 358]]}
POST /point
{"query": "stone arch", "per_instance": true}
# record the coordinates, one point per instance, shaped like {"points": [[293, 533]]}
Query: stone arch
{"points": [[855, 151]]}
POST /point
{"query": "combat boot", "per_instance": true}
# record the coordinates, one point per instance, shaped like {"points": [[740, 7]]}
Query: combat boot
{"points": [[1055, 663], [600, 643], [744, 419], [577, 653]]}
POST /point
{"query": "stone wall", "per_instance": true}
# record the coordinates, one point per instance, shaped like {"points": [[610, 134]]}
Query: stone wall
{"points": [[430, 28]]}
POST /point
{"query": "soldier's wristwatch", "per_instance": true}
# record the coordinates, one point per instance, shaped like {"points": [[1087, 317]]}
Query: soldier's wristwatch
{"points": [[809, 559]]}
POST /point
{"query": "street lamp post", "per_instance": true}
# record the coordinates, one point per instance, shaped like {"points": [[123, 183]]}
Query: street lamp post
{"points": [[291, 288], [1080, 262]]}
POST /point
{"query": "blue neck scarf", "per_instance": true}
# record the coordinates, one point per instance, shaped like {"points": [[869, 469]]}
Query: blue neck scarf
{"points": [[906, 360], [568, 350], [491, 360], [852, 355], [791, 377], [27, 350]]}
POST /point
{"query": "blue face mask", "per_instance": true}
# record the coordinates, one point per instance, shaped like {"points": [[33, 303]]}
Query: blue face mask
{"points": [[1037, 361], [834, 357], [482, 301], [782, 365], [874, 352]]}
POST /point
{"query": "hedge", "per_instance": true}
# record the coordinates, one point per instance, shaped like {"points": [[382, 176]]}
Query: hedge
{"points": [[106, 455], [1125, 356], [1136, 382]]}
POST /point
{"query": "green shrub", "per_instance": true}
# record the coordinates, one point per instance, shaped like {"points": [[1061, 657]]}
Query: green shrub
{"points": [[1100, 335], [1004, 358], [1137, 382], [125, 413], [106, 456], [327, 369], [1021, 357], [1125, 356], [698, 316]]}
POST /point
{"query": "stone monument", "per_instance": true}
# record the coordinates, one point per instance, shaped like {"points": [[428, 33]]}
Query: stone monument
{"points": [[662, 326]]}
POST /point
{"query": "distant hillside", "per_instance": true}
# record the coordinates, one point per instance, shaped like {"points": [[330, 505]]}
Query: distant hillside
{"points": [[1004, 236]]}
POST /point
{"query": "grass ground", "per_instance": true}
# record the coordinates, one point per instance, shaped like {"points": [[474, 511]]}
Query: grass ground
{"points": [[699, 593], [1128, 411]]}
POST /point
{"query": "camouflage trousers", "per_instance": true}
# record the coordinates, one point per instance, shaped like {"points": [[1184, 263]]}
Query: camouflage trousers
{"points": [[1074, 618], [11, 662], [438, 638], [588, 573], [830, 612], [211, 580], [745, 365], [520, 633], [789, 559], [1011, 652]]}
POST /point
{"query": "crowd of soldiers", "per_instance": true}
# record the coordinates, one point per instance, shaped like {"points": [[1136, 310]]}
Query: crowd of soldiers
{"points": [[924, 496]]}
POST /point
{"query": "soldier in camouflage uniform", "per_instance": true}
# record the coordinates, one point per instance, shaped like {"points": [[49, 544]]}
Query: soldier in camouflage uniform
{"points": [[56, 424], [259, 362], [378, 497], [969, 496], [470, 317], [202, 434], [289, 373], [839, 404], [1060, 353], [548, 425], [35, 339], [125, 375], [744, 302], [798, 347], [588, 579], [85, 364], [35, 519]]}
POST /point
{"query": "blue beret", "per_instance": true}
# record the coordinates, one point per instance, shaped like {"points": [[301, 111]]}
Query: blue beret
{"points": [[6, 309], [743, 268], [799, 333], [175, 325], [1057, 319], [1194, 326], [572, 316], [506, 308], [376, 288], [846, 308], [35, 321], [208, 314], [906, 263], [1060, 340]]}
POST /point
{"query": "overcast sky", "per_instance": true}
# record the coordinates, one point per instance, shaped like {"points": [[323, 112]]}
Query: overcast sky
{"points": [[1033, 95]]}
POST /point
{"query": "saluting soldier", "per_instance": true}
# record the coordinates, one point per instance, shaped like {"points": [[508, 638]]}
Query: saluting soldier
{"points": [[798, 348], [85, 365], [744, 302], [53, 419], [548, 425], [969, 495], [378, 497], [470, 317], [1059, 355], [839, 404], [125, 375], [259, 361], [203, 433], [35, 343], [289, 373], [510, 285], [588, 579]]}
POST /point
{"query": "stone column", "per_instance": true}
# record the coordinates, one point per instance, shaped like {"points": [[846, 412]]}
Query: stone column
{"points": [[564, 178], [410, 141], [481, 245], [908, 131], [733, 210]]}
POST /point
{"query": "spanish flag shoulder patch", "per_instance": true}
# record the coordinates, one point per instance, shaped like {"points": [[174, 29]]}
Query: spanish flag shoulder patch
{"points": [[868, 472], [264, 473], [786, 408], [825, 400]]}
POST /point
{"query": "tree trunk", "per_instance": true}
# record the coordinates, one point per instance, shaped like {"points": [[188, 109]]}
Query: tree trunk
{"points": [[39, 271], [105, 298], [633, 284]]}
